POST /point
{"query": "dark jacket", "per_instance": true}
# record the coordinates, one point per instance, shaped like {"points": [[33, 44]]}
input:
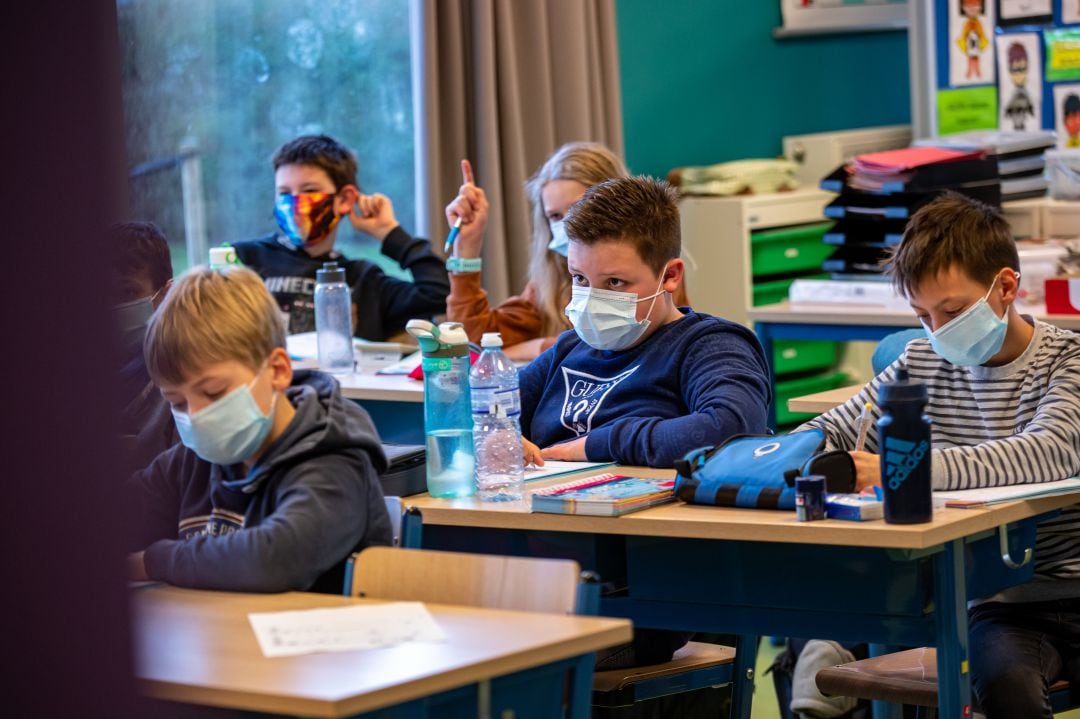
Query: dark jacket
{"points": [[311, 500], [146, 422], [693, 383], [383, 303]]}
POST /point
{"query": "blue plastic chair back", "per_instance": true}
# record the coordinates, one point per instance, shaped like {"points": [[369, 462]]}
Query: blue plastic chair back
{"points": [[891, 347]]}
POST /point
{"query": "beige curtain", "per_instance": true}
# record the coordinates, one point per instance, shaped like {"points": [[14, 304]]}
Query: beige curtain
{"points": [[504, 83]]}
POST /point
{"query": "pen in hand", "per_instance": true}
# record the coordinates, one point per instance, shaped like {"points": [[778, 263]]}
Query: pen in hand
{"points": [[452, 236], [865, 420]]}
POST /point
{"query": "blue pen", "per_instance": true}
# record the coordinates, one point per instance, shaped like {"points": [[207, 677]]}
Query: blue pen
{"points": [[452, 236]]}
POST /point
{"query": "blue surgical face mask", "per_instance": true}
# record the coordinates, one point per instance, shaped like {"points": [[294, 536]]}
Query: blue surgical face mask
{"points": [[229, 430], [560, 242], [972, 337], [607, 320]]}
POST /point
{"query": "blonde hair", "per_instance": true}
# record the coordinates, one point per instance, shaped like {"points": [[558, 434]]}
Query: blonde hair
{"points": [[589, 163], [212, 316]]}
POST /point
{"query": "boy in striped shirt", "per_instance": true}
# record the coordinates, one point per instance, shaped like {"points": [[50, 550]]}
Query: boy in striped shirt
{"points": [[1004, 394]]}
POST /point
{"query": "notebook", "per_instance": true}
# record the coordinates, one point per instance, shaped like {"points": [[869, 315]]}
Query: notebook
{"points": [[605, 495], [995, 495]]}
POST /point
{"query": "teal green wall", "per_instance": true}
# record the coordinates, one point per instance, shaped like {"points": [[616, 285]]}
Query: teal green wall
{"points": [[704, 81]]}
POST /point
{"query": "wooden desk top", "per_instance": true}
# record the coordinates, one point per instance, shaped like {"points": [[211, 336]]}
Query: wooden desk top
{"points": [[728, 523], [197, 647], [834, 314], [365, 384], [823, 401]]}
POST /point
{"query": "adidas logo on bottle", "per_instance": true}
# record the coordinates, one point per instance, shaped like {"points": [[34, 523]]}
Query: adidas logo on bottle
{"points": [[901, 457]]}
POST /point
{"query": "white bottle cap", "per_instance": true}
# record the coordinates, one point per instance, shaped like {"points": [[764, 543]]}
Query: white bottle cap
{"points": [[452, 333], [222, 256], [491, 339]]}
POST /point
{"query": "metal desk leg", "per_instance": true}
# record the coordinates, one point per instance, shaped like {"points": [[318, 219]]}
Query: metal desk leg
{"points": [[581, 689], [742, 679], [951, 629], [882, 709]]}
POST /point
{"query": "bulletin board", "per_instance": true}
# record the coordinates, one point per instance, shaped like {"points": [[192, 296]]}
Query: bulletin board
{"points": [[1002, 64]]}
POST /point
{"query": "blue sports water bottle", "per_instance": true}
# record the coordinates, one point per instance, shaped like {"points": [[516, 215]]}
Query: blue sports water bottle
{"points": [[447, 408], [904, 447]]}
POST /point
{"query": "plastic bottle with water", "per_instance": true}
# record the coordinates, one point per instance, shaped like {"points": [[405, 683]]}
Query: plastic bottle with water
{"points": [[904, 445], [333, 320], [496, 414], [447, 420]]}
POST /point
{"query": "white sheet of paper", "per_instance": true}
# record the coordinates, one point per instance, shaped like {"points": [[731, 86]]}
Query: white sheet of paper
{"points": [[993, 495], [1019, 9], [343, 629], [554, 468], [305, 345], [403, 366]]}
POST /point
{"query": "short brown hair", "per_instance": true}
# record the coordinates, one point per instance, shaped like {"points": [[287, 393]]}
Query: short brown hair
{"points": [[952, 230], [212, 316], [639, 210], [141, 248], [323, 152]]}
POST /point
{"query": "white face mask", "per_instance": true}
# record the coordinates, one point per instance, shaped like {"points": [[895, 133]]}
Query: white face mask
{"points": [[607, 320]]}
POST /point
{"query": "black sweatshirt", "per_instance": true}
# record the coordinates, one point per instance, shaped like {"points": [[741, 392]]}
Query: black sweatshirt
{"points": [[383, 303]]}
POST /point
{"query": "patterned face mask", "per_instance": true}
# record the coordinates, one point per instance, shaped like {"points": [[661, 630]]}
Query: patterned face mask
{"points": [[307, 218]]}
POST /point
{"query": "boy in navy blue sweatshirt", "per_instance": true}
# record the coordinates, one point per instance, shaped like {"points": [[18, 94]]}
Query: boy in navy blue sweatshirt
{"points": [[639, 381], [276, 480], [315, 186]]}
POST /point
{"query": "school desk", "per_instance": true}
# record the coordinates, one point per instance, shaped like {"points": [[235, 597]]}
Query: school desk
{"points": [[395, 403], [762, 573], [820, 402], [843, 323], [197, 647]]}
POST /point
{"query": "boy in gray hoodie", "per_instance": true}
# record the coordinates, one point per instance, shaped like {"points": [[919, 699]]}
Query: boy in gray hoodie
{"points": [[275, 481]]}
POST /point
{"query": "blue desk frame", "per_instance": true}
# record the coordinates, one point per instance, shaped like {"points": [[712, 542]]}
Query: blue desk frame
{"points": [[754, 588]]}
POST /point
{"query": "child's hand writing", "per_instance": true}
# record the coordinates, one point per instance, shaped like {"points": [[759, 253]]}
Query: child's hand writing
{"points": [[532, 453], [572, 451], [867, 470]]}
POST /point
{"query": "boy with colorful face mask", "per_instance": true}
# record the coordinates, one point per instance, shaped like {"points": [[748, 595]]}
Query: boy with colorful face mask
{"points": [[1004, 393], [315, 186], [275, 482], [639, 381]]}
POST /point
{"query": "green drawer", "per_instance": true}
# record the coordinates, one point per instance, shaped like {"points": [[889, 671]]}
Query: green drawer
{"points": [[803, 355], [773, 291], [788, 389], [790, 249]]}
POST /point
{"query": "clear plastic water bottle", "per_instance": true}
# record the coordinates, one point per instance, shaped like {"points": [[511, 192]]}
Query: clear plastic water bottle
{"points": [[333, 320], [496, 414], [904, 443], [447, 420]]}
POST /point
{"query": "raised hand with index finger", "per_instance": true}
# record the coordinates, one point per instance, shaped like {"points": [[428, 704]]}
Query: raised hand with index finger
{"points": [[471, 207]]}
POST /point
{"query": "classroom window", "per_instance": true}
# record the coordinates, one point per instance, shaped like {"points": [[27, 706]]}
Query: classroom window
{"points": [[212, 88]]}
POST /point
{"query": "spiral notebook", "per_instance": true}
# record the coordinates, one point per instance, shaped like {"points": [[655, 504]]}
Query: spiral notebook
{"points": [[605, 495]]}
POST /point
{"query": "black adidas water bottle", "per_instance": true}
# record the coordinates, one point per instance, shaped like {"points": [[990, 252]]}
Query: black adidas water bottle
{"points": [[904, 447]]}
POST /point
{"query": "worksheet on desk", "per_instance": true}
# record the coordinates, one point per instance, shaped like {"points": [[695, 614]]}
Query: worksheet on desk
{"points": [[554, 468], [343, 629]]}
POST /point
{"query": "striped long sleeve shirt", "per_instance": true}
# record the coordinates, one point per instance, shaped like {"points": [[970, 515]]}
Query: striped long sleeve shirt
{"points": [[994, 426]]}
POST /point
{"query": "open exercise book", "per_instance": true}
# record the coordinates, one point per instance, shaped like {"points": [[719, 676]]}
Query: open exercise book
{"points": [[606, 495], [996, 495]]}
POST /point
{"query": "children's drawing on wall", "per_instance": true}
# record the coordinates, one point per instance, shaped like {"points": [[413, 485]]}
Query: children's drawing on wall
{"points": [[1067, 114], [970, 30], [1070, 11], [1019, 81]]}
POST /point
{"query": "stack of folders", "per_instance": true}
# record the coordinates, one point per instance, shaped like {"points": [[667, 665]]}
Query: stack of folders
{"points": [[606, 495], [880, 191], [1020, 157]]}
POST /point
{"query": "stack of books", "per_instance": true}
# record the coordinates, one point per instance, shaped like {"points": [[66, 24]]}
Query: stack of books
{"points": [[607, 495]]}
